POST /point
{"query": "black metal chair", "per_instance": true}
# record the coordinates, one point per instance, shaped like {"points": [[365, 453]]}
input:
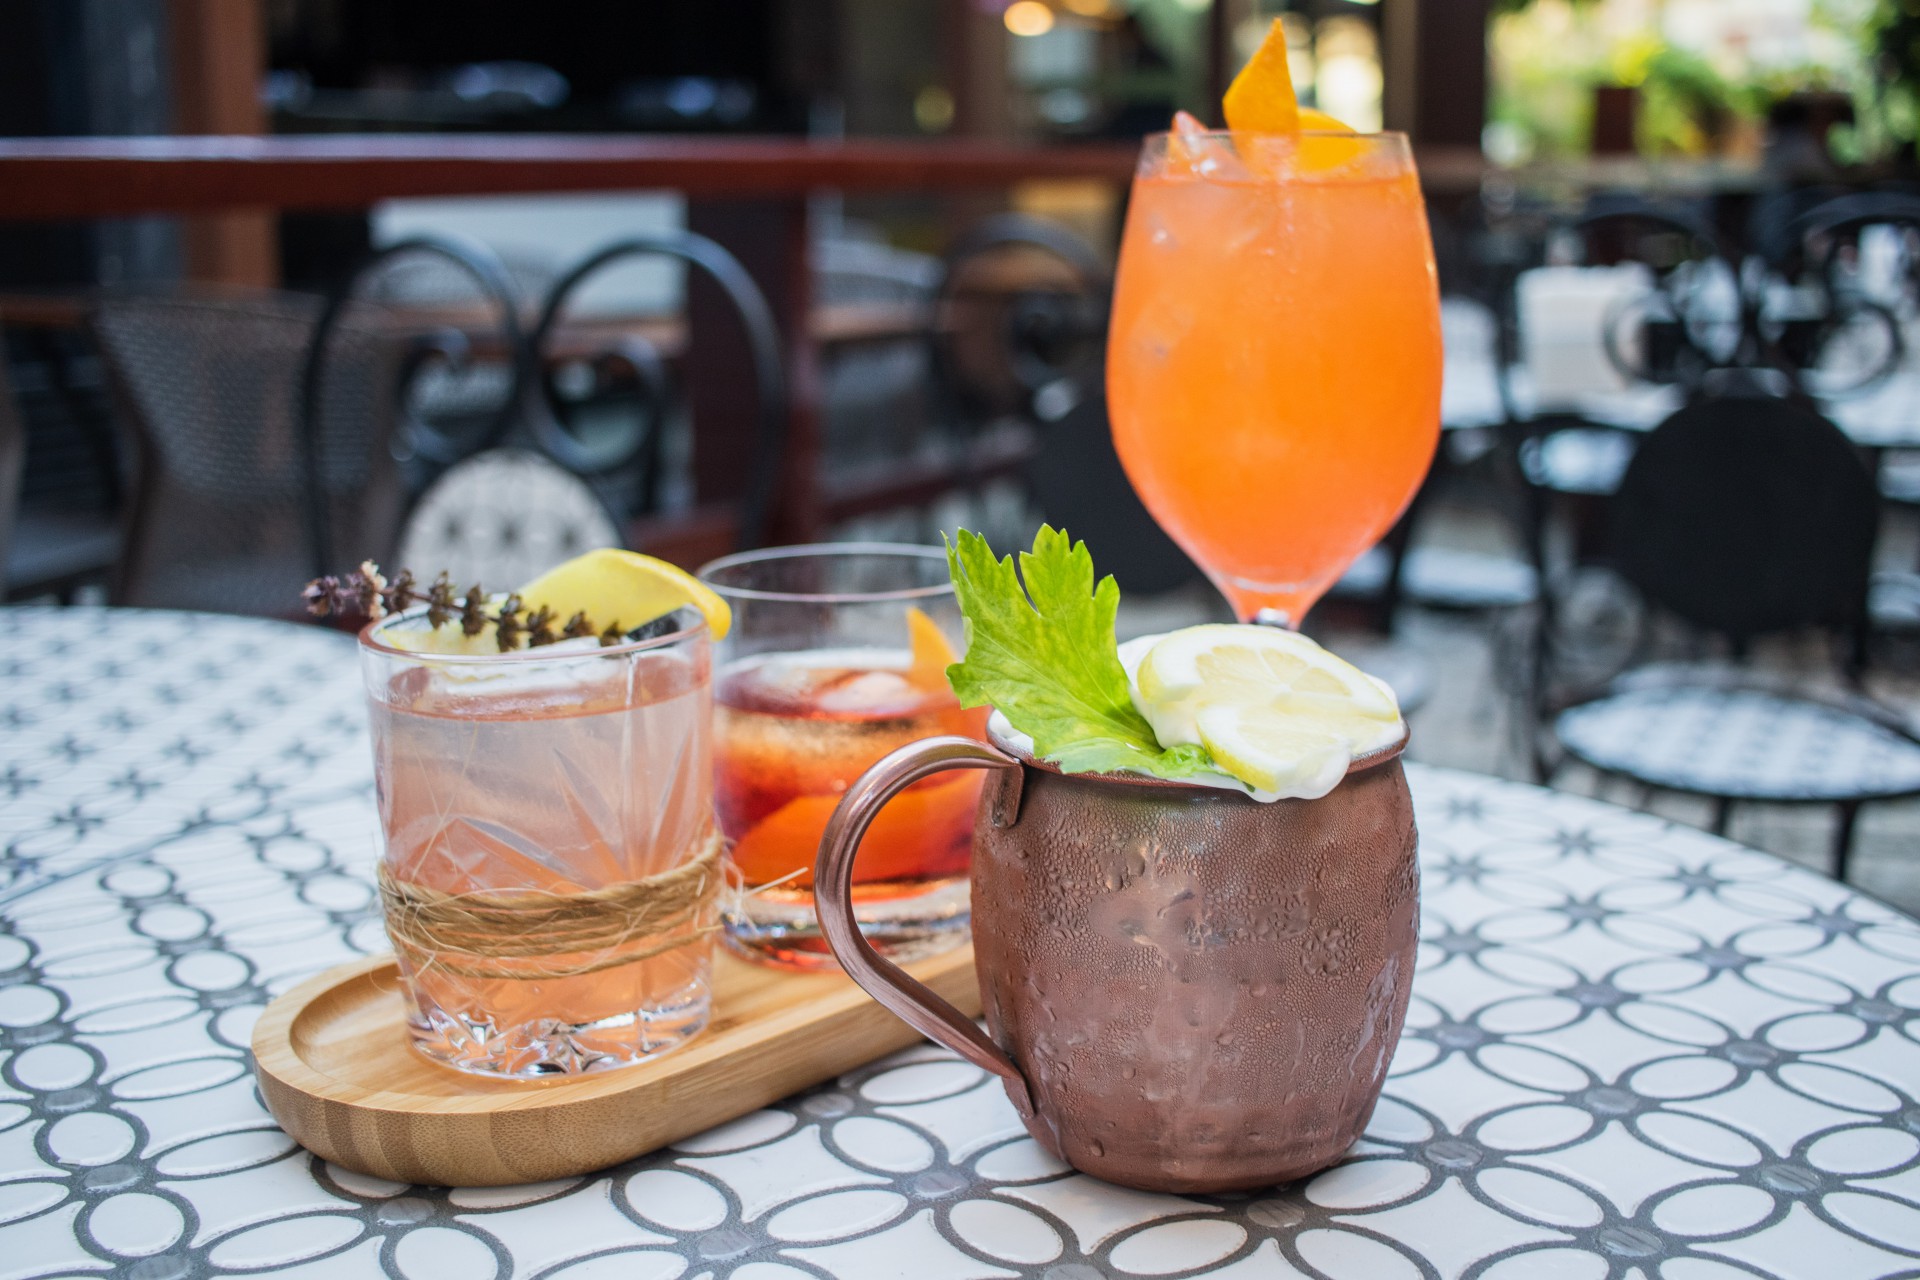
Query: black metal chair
{"points": [[593, 450], [1860, 318], [874, 388], [1018, 347], [1400, 568], [419, 445], [1826, 241], [13, 457], [68, 493], [575, 447], [1745, 517], [1018, 327]]}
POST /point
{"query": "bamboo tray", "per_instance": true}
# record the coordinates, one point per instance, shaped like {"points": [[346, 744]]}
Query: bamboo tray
{"points": [[339, 1074]]}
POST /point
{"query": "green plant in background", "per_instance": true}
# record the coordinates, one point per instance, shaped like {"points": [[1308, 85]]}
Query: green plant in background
{"points": [[1686, 105], [1549, 55], [1888, 105], [1545, 62]]}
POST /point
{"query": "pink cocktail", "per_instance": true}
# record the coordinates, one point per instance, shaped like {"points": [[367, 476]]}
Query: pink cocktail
{"points": [[519, 785]]}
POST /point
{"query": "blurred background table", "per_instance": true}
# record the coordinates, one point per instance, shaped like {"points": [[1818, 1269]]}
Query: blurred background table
{"points": [[1630, 1042]]}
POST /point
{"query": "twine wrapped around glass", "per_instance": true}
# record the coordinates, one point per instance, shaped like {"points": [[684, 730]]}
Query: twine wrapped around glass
{"points": [[551, 868]]}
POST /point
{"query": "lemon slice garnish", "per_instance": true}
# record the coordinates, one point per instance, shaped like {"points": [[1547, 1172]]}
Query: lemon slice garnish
{"points": [[1274, 709], [1221, 662], [1274, 750], [447, 640], [612, 586]]}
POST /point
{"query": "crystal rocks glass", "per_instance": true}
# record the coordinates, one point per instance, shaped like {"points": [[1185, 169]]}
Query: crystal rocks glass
{"points": [[550, 866]]}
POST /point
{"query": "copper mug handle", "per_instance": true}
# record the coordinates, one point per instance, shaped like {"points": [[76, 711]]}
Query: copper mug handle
{"points": [[885, 981]]}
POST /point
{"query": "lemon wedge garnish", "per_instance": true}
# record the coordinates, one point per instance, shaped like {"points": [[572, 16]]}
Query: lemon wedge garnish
{"points": [[1275, 710], [449, 640], [612, 586]]}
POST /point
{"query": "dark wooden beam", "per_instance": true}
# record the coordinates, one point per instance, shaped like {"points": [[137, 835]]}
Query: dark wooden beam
{"points": [[1450, 75], [219, 52], [46, 178], [1220, 61]]}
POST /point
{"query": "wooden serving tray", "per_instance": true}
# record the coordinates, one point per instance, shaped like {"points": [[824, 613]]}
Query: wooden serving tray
{"points": [[339, 1073]]}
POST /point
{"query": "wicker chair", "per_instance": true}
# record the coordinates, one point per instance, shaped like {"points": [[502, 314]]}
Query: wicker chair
{"points": [[44, 552], [209, 384]]}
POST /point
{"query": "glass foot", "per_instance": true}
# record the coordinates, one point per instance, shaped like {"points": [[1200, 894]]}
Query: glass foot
{"points": [[547, 1047], [786, 934]]}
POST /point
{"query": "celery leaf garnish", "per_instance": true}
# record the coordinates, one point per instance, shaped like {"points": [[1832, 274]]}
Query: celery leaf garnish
{"points": [[1045, 656]]}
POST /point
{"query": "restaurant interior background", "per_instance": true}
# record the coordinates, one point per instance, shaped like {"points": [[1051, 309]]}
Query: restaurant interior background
{"points": [[1600, 176]]}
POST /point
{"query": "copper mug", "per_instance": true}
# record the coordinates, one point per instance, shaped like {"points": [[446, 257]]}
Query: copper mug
{"points": [[1185, 990]]}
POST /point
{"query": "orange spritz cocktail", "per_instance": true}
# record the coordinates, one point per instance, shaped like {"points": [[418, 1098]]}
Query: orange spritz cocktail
{"points": [[1274, 360]]}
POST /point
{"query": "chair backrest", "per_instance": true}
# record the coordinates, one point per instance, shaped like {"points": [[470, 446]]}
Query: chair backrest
{"points": [[1747, 516], [873, 393], [502, 518], [210, 385], [1682, 316], [749, 521], [1019, 323]]}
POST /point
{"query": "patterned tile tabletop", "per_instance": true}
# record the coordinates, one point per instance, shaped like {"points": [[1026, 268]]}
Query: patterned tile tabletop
{"points": [[1634, 1050]]}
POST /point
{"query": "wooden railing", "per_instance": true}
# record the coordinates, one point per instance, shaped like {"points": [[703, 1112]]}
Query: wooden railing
{"points": [[116, 177], [750, 193]]}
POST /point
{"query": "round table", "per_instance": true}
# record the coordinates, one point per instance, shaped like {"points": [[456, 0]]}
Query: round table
{"points": [[1634, 1050]]}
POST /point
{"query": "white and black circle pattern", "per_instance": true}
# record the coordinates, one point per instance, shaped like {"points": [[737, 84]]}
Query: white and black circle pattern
{"points": [[1634, 1050], [1741, 743]]}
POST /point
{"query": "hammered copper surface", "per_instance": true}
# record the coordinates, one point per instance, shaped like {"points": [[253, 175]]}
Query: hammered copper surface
{"points": [[1202, 992]]}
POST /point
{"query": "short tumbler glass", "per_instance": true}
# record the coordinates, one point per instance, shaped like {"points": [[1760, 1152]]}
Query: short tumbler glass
{"points": [[817, 681], [518, 793]]}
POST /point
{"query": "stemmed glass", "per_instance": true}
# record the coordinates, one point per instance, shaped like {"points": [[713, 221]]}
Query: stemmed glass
{"points": [[1273, 365]]}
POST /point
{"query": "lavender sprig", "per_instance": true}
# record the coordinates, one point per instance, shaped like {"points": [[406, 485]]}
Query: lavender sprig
{"points": [[367, 593]]}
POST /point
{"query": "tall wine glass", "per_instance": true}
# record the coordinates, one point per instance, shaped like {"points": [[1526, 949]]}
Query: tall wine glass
{"points": [[1273, 366]]}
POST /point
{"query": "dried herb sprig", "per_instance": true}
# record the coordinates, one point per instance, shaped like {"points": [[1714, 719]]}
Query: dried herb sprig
{"points": [[369, 594], [473, 612]]}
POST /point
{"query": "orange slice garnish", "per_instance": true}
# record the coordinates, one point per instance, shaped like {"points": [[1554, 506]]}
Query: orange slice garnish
{"points": [[932, 654], [1261, 97], [896, 844], [1314, 120], [1261, 100]]}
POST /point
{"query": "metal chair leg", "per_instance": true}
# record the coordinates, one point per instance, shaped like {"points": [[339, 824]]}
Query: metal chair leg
{"points": [[1849, 812]]}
